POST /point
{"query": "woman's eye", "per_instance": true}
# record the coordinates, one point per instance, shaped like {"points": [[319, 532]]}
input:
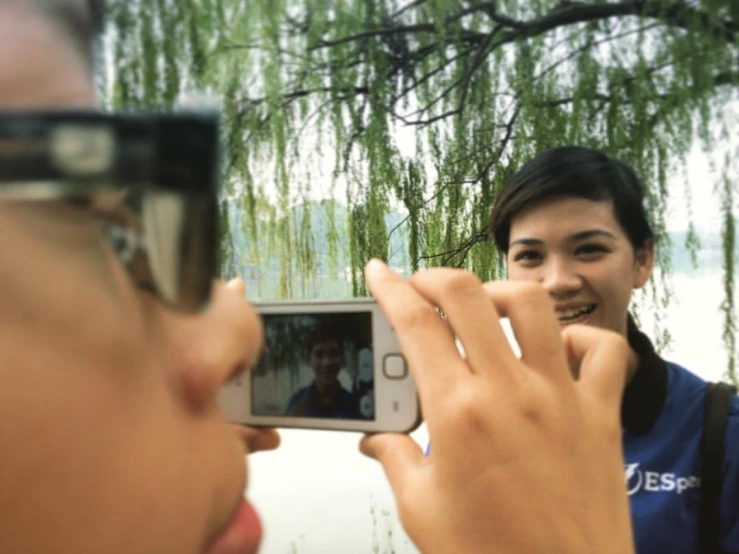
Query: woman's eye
{"points": [[527, 256], [590, 249]]}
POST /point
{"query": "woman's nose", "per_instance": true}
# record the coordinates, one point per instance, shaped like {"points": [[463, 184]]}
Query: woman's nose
{"points": [[560, 279], [209, 349]]}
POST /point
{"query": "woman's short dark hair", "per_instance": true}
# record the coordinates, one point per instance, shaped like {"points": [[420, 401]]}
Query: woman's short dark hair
{"points": [[573, 171]]}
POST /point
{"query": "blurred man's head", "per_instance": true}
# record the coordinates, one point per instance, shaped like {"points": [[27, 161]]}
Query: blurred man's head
{"points": [[325, 353], [108, 398], [47, 53]]}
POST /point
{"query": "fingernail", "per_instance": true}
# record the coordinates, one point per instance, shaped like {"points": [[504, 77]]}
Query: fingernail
{"points": [[376, 267], [236, 284], [376, 263]]}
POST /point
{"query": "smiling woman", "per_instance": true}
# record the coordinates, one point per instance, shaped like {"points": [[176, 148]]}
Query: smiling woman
{"points": [[573, 220], [580, 253]]}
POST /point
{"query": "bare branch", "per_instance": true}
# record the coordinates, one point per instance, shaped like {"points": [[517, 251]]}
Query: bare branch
{"points": [[721, 79], [679, 14], [491, 10], [439, 69], [394, 30], [503, 144], [480, 56], [675, 13], [593, 44], [460, 251], [668, 12], [488, 7], [406, 8], [307, 92], [671, 102], [493, 160], [464, 80]]}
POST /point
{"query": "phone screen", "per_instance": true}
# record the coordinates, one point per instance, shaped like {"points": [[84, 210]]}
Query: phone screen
{"points": [[315, 365]]}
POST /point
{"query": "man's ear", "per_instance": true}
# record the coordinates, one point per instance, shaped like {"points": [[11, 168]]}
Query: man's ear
{"points": [[643, 263]]}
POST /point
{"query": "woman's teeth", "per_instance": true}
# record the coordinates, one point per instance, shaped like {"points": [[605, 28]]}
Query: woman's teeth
{"points": [[575, 315]]}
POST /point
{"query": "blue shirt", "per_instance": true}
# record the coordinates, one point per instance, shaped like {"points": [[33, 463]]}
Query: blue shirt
{"points": [[662, 416], [663, 472], [307, 403]]}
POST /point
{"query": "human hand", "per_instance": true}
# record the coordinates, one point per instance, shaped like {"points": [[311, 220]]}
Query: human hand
{"points": [[256, 439], [525, 458], [238, 285]]}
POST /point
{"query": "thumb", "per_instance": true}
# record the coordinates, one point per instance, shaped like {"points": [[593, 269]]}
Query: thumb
{"points": [[257, 439], [237, 285], [602, 359], [399, 456]]}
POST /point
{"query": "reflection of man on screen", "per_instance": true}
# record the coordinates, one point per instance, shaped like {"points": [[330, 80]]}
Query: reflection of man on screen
{"points": [[324, 397]]}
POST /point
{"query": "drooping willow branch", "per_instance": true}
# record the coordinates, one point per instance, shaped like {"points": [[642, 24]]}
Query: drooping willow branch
{"points": [[480, 46]]}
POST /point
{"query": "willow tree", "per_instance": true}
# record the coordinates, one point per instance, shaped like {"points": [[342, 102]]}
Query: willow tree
{"points": [[424, 108]]}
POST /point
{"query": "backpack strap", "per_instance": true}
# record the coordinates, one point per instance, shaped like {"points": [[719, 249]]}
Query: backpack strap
{"points": [[718, 399]]}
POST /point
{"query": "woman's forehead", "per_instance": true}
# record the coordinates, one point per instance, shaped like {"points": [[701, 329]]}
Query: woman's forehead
{"points": [[39, 66], [562, 216]]}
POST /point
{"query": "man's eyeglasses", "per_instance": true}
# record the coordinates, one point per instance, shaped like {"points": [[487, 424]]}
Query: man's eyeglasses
{"points": [[153, 178]]}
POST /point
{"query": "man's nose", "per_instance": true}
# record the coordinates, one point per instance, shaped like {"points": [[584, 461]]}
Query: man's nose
{"points": [[211, 348]]}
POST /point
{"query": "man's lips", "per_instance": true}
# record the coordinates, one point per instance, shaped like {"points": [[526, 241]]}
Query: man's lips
{"points": [[242, 535]]}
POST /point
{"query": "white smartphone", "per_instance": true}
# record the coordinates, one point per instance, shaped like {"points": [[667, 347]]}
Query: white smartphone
{"points": [[333, 365]]}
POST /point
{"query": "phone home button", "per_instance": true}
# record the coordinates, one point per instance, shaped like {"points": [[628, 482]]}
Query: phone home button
{"points": [[394, 367]]}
